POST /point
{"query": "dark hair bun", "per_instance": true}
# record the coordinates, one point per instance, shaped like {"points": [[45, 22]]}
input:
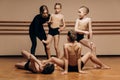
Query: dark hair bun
{"points": [[48, 69]]}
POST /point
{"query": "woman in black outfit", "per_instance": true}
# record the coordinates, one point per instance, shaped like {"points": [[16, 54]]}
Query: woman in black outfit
{"points": [[36, 28]]}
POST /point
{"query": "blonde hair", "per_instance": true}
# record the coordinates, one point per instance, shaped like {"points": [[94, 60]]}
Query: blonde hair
{"points": [[86, 9]]}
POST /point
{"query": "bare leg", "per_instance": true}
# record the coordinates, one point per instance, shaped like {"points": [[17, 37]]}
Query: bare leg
{"points": [[56, 45], [90, 45], [45, 47], [49, 38], [57, 61], [94, 59], [27, 55], [48, 49], [20, 65], [31, 57], [33, 65], [87, 43]]}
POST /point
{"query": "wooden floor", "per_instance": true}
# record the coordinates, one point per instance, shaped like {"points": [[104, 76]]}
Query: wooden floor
{"points": [[9, 72]]}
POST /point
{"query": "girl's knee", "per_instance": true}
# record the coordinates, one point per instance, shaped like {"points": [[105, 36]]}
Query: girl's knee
{"points": [[93, 46], [23, 51], [48, 47], [52, 59]]}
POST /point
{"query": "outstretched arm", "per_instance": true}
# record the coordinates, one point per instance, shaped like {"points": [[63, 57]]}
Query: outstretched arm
{"points": [[79, 60]]}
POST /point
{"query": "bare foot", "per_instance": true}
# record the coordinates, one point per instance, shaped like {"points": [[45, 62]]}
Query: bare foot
{"points": [[105, 67], [91, 44], [97, 66]]}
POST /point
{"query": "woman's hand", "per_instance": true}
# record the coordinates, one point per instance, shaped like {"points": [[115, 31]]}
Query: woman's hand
{"points": [[49, 22]]}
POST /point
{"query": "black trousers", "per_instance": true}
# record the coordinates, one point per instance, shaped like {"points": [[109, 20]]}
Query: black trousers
{"points": [[33, 36]]}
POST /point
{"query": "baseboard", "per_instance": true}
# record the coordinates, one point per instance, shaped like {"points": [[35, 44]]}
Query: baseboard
{"points": [[108, 55]]}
